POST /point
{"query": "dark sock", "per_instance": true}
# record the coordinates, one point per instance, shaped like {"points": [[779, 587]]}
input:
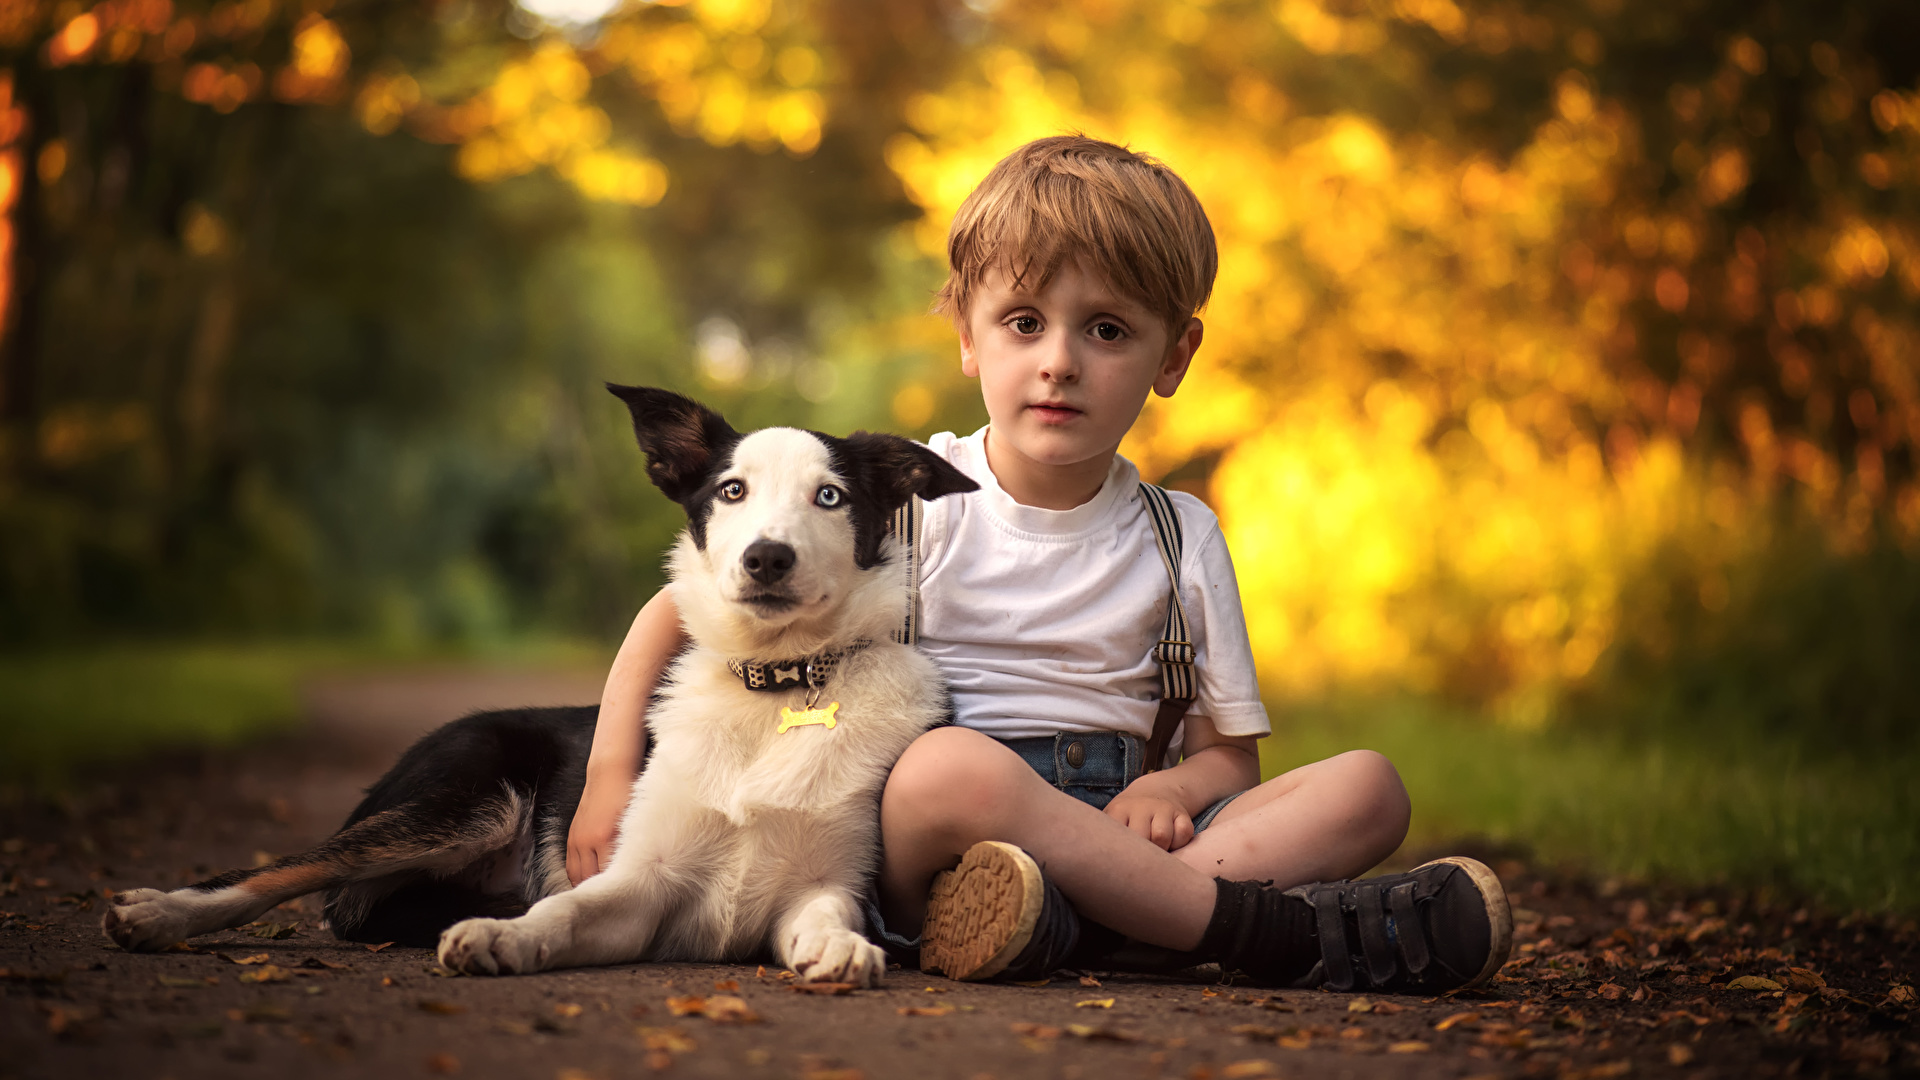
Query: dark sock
{"points": [[1055, 935], [1097, 943], [1258, 930]]}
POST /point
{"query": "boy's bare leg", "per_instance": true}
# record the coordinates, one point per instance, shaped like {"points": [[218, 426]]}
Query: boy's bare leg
{"points": [[1328, 821], [955, 787]]}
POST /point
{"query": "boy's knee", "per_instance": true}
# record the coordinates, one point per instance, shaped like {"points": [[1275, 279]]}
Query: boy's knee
{"points": [[954, 779], [1380, 795]]}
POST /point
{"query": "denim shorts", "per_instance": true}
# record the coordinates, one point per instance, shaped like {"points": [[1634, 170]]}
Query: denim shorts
{"points": [[1095, 767]]}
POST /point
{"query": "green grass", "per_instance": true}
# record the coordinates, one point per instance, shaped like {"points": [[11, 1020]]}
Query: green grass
{"points": [[1840, 832], [65, 711]]}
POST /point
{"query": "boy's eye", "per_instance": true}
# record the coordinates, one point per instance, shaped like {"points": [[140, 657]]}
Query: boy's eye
{"points": [[1026, 324], [1107, 331], [829, 497], [733, 491]]}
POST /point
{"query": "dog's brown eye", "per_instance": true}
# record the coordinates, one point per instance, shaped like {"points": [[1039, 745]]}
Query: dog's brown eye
{"points": [[829, 497], [733, 491]]}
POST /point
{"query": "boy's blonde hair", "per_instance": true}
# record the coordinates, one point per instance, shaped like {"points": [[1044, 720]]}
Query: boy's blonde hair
{"points": [[1122, 215]]}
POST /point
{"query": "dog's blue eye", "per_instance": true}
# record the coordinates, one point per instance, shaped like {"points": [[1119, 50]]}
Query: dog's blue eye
{"points": [[829, 497], [733, 491]]}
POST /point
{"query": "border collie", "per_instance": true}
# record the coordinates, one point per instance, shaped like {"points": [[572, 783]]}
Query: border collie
{"points": [[754, 823]]}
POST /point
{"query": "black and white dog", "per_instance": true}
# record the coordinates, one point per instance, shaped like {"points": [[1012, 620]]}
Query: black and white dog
{"points": [[754, 823]]}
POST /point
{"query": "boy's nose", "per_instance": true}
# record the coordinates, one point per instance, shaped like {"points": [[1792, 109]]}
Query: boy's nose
{"points": [[1059, 364]]}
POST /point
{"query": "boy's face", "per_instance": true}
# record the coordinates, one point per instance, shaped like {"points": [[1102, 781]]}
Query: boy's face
{"points": [[1065, 371]]}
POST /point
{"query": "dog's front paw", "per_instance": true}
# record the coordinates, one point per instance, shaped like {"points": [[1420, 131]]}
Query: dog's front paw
{"points": [[494, 947], [837, 955], [145, 920]]}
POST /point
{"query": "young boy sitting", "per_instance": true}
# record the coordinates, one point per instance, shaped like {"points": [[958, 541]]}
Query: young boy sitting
{"points": [[1077, 268]]}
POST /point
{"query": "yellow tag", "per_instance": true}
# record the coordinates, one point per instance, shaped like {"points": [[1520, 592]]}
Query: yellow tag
{"points": [[791, 719]]}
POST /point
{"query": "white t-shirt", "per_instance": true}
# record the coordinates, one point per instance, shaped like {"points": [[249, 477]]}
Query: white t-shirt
{"points": [[1044, 621]]}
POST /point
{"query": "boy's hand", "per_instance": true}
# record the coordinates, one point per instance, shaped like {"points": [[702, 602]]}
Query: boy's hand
{"points": [[1158, 819], [590, 840]]}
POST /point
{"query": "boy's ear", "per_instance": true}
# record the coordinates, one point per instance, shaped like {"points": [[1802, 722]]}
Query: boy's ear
{"points": [[898, 469], [1179, 358], [680, 437]]}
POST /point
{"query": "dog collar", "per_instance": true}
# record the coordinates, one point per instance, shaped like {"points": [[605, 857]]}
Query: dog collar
{"points": [[806, 673]]}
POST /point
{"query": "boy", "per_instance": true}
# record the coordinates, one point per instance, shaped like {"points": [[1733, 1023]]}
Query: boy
{"points": [[1077, 268]]}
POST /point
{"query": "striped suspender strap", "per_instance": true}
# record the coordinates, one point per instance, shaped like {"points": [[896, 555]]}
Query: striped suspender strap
{"points": [[906, 526], [1175, 651]]}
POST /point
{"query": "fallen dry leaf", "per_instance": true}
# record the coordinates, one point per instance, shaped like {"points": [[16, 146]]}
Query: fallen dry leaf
{"points": [[265, 974], [833, 1074], [727, 1009], [1411, 1046], [1293, 1042], [439, 1008], [730, 986], [1805, 980], [274, 931], [925, 1010], [1604, 1071], [1611, 991], [1752, 982], [1034, 982], [1359, 1005], [1106, 1034], [328, 965], [1255, 1031], [570, 1073], [1679, 1055], [443, 1064], [687, 1006], [1038, 1031], [671, 1040], [827, 988], [1090, 982], [1456, 1020], [1094, 1003], [377, 948], [567, 1010], [1252, 1067], [177, 983], [1900, 994], [256, 958]]}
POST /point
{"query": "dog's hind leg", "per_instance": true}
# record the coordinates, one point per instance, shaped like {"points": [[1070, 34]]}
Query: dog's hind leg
{"points": [[440, 836], [816, 940]]}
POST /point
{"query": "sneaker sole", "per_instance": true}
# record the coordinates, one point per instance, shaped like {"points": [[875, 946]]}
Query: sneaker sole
{"points": [[982, 912], [1499, 912]]}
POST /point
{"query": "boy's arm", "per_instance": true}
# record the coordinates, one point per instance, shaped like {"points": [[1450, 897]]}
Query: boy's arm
{"points": [[1161, 805], [620, 733]]}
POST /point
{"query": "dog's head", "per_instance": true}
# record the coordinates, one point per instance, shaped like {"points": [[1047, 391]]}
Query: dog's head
{"points": [[784, 524]]}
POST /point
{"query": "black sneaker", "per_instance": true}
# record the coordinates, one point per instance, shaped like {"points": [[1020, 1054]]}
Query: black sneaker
{"points": [[1441, 926], [997, 915]]}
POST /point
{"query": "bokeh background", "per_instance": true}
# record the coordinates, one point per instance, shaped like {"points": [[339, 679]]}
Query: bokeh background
{"points": [[1559, 398]]}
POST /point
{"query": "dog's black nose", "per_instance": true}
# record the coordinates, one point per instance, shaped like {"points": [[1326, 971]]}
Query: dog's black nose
{"points": [[767, 561]]}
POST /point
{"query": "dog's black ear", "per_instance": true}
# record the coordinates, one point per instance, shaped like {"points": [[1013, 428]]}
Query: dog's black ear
{"points": [[680, 437], [899, 469]]}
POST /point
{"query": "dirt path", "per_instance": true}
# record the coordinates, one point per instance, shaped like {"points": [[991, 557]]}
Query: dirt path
{"points": [[1602, 986]]}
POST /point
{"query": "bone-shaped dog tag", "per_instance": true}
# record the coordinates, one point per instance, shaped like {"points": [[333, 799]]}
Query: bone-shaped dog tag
{"points": [[824, 717]]}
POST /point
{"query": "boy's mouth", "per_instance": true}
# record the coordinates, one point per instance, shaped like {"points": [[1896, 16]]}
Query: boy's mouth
{"points": [[1053, 412]]}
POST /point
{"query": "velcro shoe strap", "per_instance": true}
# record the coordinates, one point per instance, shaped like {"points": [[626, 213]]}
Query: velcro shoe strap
{"points": [[1332, 930], [1370, 910], [1406, 922]]}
